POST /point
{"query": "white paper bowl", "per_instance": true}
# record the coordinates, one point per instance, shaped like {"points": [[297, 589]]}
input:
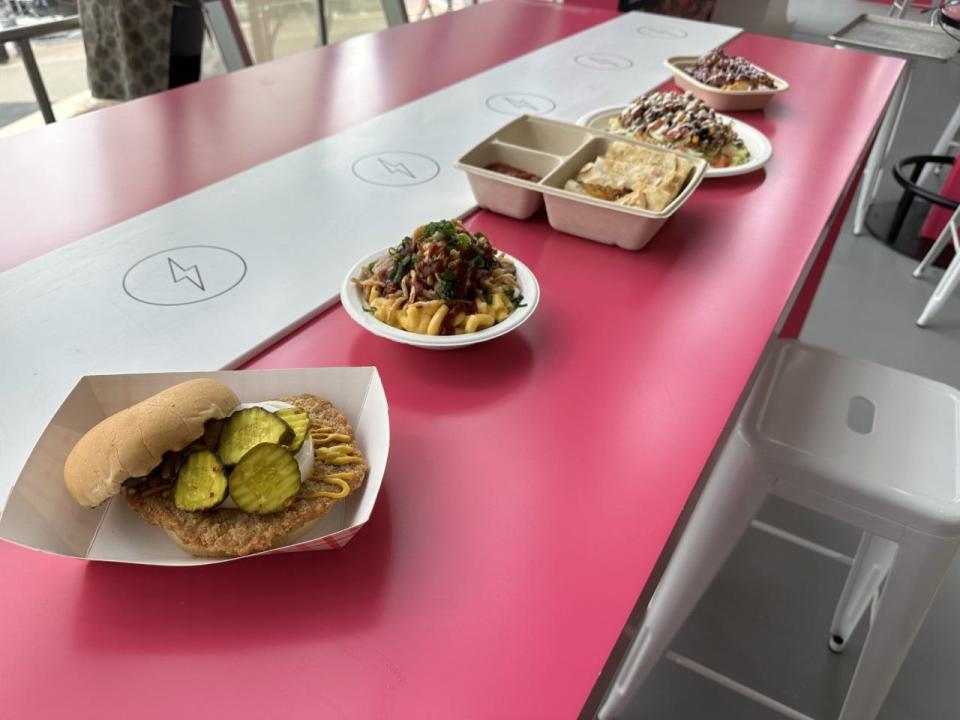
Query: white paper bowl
{"points": [[352, 298], [757, 143]]}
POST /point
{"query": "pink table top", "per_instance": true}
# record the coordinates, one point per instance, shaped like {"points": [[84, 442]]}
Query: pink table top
{"points": [[532, 482]]}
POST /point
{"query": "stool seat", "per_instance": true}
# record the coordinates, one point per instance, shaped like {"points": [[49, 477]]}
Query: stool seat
{"points": [[882, 438]]}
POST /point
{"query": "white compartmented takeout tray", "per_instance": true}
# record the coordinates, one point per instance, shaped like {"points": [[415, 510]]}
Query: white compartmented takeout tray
{"points": [[717, 98], [41, 514], [556, 151]]}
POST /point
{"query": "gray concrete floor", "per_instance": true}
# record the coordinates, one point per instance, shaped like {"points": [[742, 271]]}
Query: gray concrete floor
{"points": [[765, 620]]}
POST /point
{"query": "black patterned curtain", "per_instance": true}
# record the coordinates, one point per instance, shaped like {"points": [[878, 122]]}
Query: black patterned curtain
{"points": [[690, 9]]}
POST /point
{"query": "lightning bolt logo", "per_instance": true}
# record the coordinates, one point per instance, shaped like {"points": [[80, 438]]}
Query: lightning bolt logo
{"points": [[398, 167], [192, 273], [520, 103], [601, 60], [659, 31]]}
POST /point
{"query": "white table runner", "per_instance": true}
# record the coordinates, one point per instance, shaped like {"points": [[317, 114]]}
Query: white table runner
{"points": [[206, 280]]}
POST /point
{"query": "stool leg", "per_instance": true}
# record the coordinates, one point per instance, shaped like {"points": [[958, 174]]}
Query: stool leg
{"points": [[939, 244], [322, 29], [221, 19], [732, 496], [912, 583], [33, 72], [903, 207], [874, 558], [943, 145], [947, 285]]}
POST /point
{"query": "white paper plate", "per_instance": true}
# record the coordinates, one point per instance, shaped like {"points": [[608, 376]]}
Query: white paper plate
{"points": [[757, 143], [352, 298]]}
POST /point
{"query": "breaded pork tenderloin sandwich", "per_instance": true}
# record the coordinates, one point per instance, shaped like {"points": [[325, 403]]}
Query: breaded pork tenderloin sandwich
{"points": [[224, 479]]}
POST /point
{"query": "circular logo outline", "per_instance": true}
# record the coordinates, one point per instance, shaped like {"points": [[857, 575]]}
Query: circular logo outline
{"points": [[662, 32], [606, 55], [353, 168], [142, 260], [553, 104]]}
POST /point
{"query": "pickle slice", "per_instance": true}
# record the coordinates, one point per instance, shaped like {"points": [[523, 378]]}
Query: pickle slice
{"points": [[299, 421], [265, 480], [201, 483], [250, 427]]}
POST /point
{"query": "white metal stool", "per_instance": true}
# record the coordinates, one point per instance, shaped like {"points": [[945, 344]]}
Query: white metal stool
{"points": [[951, 278], [872, 446], [898, 8]]}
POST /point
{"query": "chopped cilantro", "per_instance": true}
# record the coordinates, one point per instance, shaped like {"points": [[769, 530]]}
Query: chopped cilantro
{"points": [[401, 248], [401, 267], [442, 227], [448, 279], [370, 310], [515, 297]]}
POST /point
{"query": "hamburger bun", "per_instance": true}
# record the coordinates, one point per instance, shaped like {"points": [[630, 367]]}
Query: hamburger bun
{"points": [[132, 442]]}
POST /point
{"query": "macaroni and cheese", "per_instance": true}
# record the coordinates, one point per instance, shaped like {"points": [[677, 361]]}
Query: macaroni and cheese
{"points": [[443, 280]]}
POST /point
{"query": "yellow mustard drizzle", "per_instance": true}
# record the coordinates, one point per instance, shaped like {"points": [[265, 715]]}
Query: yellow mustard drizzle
{"points": [[338, 479], [331, 437], [341, 454], [337, 455]]}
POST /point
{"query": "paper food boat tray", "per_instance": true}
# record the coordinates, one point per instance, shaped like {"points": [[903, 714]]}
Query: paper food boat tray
{"points": [[41, 514], [555, 151]]}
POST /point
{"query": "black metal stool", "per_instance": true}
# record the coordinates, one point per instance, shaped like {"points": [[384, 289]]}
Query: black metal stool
{"points": [[911, 191]]}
